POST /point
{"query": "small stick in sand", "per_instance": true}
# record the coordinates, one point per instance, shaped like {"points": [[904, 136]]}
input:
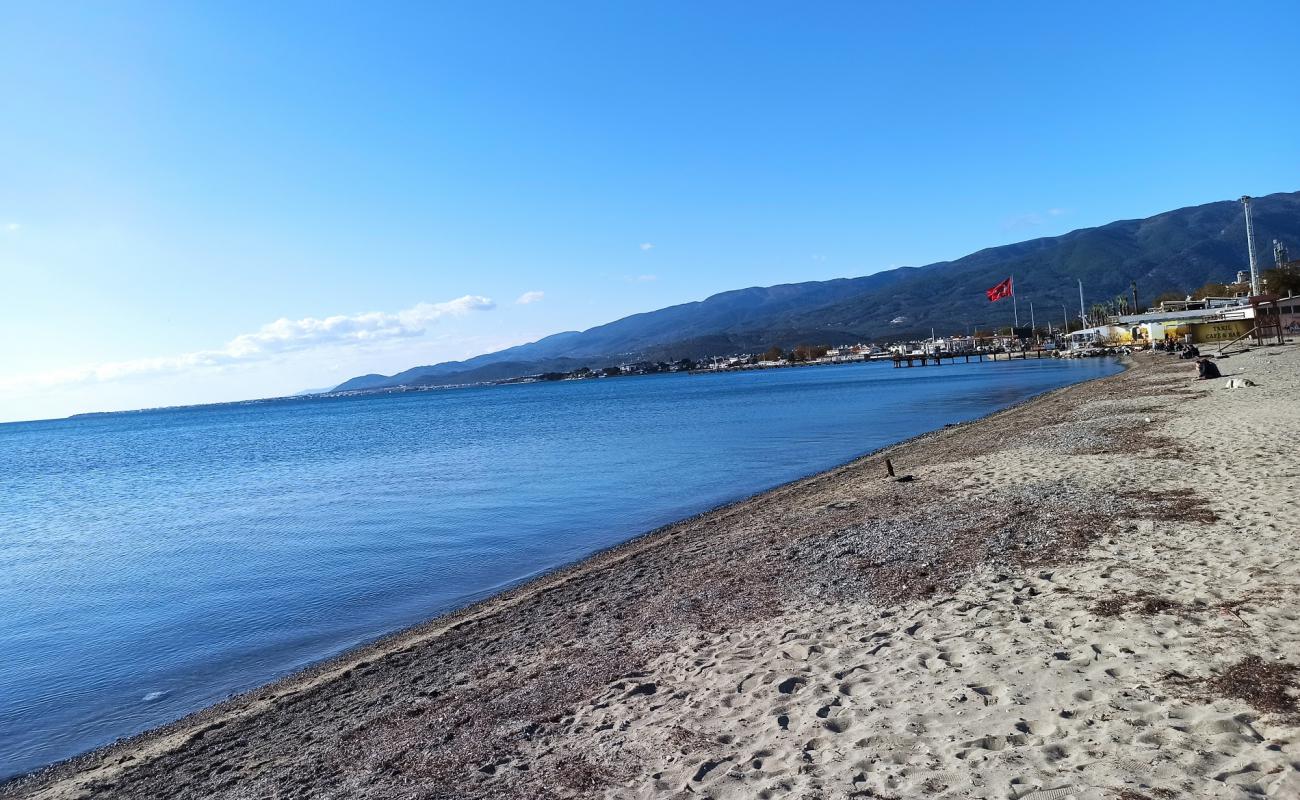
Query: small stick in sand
{"points": [[889, 467], [1234, 613]]}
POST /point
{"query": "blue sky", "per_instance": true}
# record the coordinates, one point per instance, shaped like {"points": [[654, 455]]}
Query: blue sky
{"points": [[205, 202]]}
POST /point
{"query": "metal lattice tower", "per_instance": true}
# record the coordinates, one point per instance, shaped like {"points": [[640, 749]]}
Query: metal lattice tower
{"points": [[1250, 244]]}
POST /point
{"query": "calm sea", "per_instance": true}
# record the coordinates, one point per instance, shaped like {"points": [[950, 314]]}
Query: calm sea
{"points": [[154, 563]]}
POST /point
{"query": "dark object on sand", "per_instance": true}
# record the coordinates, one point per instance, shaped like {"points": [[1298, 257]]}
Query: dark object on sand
{"points": [[1191, 352], [889, 467], [1207, 369]]}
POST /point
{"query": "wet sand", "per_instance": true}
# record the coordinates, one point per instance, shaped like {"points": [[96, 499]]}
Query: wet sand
{"points": [[1090, 595]]}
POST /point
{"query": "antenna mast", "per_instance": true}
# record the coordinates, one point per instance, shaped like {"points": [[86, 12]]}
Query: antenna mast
{"points": [[1250, 244]]}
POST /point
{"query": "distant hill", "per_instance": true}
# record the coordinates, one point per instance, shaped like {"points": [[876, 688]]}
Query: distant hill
{"points": [[1174, 251]]}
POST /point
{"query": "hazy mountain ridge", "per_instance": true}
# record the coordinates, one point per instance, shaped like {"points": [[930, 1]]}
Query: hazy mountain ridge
{"points": [[1174, 251]]}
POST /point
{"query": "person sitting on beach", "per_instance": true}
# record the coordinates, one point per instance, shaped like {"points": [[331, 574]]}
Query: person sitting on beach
{"points": [[1207, 369], [1191, 352]]}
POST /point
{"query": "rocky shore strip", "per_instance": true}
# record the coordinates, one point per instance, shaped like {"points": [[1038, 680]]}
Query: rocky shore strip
{"points": [[1091, 595]]}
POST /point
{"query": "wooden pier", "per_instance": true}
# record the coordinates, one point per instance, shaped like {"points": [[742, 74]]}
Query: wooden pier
{"points": [[937, 359]]}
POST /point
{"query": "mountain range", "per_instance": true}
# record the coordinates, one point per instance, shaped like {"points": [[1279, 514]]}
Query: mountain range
{"points": [[1175, 251]]}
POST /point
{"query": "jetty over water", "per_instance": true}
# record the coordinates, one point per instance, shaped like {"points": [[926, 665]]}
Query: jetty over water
{"points": [[937, 358]]}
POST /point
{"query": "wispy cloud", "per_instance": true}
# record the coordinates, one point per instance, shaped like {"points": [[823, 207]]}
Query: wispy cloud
{"points": [[271, 340], [12, 227], [1032, 219], [529, 297], [640, 278], [647, 246]]}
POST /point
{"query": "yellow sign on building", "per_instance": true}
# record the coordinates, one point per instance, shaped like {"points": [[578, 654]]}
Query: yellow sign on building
{"points": [[1223, 331], [1176, 330]]}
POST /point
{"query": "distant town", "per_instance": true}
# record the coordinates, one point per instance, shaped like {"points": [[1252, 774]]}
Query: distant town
{"points": [[1222, 314]]}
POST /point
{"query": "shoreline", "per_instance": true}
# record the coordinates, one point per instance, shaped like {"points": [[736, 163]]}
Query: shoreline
{"points": [[434, 625], [488, 595], [100, 771]]}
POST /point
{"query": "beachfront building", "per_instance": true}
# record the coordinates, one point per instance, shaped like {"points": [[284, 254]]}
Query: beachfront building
{"points": [[1210, 320], [849, 353], [1103, 336], [956, 344], [1289, 311], [1201, 304]]}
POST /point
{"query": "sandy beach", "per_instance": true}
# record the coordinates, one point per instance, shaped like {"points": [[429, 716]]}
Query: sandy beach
{"points": [[1091, 595]]}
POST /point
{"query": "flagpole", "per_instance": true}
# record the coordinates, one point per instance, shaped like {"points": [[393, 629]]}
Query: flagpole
{"points": [[1014, 310]]}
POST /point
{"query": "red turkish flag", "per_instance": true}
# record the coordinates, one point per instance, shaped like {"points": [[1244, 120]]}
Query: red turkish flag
{"points": [[1000, 291]]}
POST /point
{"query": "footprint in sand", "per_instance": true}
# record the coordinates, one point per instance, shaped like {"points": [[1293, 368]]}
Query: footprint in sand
{"points": [[791, 685], [1036, 728], [1054, 793]]}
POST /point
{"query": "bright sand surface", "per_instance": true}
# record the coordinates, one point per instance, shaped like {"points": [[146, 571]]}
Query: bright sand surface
{"points": [[1092, 595]]}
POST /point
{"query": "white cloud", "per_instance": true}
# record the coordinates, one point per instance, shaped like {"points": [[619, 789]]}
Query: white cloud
{"points": [[286, 334], [1032, 219], [640, 278], [529, 297], [282, 336], [647, 246], [12, 227]]}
